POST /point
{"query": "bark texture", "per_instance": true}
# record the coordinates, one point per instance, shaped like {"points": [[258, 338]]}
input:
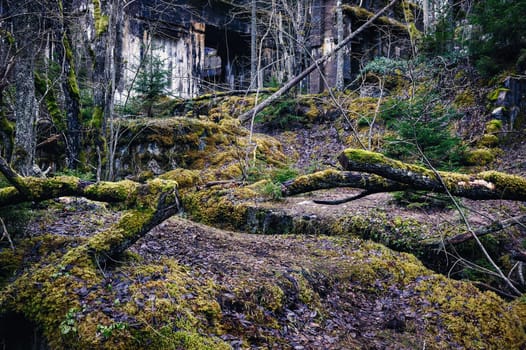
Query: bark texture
{"points": [[334, 178], [26, 107], [481, 186], [71, 91]]}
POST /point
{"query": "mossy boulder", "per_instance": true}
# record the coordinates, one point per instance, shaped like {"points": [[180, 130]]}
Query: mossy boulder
{"points": [[218, 150], [480, 156]]}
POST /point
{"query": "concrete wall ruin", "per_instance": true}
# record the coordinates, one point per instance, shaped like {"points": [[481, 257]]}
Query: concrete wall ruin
{"points": [[205, 47]]}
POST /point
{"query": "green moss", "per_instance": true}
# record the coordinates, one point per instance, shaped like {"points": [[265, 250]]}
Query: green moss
{"points": [[488, 140], [493, 126], [45, 88], [494, 95], [261, 301], [7, 126], [7, 193], [72, 84], [5, 34], [8, 129], [124, 191], [370, 157], [313, 112], [72, 76], [363, 14], [97, 118], [393, 232], [224, 208], [218, 151], [447, 305], [101, 21], [499, 182], [465, 98], [131, 223], [459, 302], [481, 156], [409, 9], [505, 182], [178, 321]]}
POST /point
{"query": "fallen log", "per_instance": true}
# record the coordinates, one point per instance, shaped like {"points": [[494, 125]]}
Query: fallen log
{"points": [[484, 230], [333, 178], [147, 204], [481, 186]]}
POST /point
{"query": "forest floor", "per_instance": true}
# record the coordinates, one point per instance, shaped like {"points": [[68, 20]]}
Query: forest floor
{"points": [[336, 312], [353, 316]]}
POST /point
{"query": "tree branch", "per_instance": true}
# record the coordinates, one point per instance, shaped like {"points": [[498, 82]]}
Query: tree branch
{"points": [[14, 178], [344, 200], [485, 230]]}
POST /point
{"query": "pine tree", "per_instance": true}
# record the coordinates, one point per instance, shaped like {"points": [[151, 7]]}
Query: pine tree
{"points": [[152, 81], [502, 26]]}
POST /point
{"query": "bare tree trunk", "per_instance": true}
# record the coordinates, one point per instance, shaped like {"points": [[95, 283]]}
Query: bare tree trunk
{"points": [[427, 18], [319, 62], [253, 43], [106, 47], [26, 107], [339, 38], [71, 91]]}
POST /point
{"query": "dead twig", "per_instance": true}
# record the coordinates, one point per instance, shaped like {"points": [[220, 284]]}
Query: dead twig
{"points": [[5, 234]]}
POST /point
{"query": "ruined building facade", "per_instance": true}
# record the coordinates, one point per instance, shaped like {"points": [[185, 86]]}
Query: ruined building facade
{"points": [[206, 45]]}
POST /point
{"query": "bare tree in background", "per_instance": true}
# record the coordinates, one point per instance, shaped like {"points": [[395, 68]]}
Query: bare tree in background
{"points": [[27, 23]]}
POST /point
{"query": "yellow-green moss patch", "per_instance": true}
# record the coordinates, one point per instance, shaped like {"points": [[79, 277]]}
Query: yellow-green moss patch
{"points": [[480, 156]]}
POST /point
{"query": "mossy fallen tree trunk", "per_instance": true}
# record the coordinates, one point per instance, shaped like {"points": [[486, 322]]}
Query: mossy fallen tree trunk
{"points": [[147, 204], [374, 173], [481, 186], [333, 178]]}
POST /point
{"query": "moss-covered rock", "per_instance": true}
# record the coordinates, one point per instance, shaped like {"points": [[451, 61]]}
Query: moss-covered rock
{"points": [[218, 150], [480, 156]]}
